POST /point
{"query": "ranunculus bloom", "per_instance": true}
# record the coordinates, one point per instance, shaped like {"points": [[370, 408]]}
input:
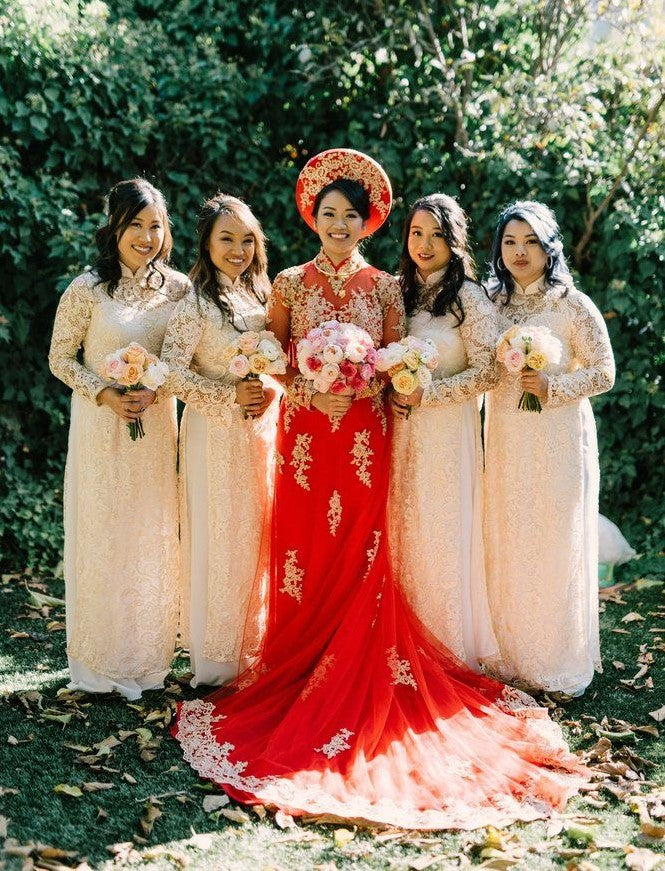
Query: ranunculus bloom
{"points": [[404, 382], [536, 360], [366, 371], [314, 364], [239, 366], [514, 360]]}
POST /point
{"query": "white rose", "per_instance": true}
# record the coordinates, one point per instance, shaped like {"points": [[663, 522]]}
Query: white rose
{"points": [[155, 375], [424, 376]]}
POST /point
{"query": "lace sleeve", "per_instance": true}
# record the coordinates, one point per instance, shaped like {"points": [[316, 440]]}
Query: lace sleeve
{"points": [[590, 343], [211, 398], [392, 304], [479, 334], [72, 320]]}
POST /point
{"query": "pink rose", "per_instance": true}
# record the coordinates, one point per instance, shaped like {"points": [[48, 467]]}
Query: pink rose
{"points": [[347, 368], [330, 372], [358, 382], [114, 367], [239, 366], [371, 356], [313, 364], [338, 387], [366, 371], [514, 360]]}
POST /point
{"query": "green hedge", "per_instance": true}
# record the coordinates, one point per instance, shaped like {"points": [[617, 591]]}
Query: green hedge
{"points": [[211, 95]]}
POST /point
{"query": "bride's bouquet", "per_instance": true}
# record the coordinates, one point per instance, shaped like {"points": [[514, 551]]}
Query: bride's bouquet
{"points": [[337, 358], [522, 348], [132, 368], [409, 362], [255, 353]]}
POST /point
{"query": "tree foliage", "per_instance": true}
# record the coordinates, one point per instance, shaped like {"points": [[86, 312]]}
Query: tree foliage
{"points": [[490, 101]]}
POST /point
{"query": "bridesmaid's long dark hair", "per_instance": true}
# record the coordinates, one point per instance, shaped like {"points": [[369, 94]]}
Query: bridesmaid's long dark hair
{"points": [[125, 200], [542, 221], [453, 223], [203, 273]]}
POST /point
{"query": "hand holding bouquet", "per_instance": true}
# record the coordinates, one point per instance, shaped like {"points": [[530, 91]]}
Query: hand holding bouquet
{"points": [[133, 368], [337, 358], [410, 363], [255, 354], [528, 348]]}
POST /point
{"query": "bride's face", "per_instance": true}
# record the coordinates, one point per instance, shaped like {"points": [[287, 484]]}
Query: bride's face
{"points": [[339, 226]]}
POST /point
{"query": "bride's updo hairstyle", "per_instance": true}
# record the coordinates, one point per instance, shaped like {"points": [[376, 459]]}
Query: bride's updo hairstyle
{"points": [[450, 216], [543, 222], [125, 200], [354, 192], [203, 273]]}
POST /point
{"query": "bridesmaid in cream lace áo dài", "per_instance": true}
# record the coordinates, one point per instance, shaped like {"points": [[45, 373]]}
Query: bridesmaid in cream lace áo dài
{"points": [[437, 469], [120, 496], [542, 474], [223, 454]]}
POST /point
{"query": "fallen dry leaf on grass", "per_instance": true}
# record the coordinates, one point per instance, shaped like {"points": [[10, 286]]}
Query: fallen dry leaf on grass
{"points": [[66, 789], [235, 815], [658, 715], [642, 859], [214, 802], [151, 814]]}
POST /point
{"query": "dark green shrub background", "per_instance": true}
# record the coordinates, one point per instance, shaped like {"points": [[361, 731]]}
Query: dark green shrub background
{"points": [[487, 101]]}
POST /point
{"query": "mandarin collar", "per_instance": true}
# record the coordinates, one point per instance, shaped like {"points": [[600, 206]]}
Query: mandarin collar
{"points": [[353, 263], [537, 286], [127, 274], [226, 283]]}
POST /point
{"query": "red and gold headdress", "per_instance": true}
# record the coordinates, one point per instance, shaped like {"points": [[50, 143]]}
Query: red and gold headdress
{"points": [[336, 163]]}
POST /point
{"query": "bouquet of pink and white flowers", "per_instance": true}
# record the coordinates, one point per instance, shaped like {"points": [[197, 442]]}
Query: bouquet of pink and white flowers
{"points": [[337, 358], [132, 368], [409, 362], [255, 353], [528, 347]]}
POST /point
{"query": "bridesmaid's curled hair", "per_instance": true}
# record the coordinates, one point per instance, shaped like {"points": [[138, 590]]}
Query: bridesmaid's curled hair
{"points": [[542, 221], [355, 193], [125, 200], [453, 223], [203, 273]]}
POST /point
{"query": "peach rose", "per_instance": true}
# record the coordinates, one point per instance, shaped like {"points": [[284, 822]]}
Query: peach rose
{"points": [[132, 375]]}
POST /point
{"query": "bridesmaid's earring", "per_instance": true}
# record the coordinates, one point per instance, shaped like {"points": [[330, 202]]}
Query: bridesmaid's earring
{"points": [[500, 263], [550, 261]]}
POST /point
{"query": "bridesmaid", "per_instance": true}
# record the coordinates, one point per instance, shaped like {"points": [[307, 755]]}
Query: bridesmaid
{"points": [[542, 475], [223, 489], [120, 502], [436, 489]]}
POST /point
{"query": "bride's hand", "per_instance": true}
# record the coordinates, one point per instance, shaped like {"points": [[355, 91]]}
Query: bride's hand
{"points": [[332, 404]]}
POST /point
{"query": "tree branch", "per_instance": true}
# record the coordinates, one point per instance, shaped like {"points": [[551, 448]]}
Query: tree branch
{"points": [[593, 214]]}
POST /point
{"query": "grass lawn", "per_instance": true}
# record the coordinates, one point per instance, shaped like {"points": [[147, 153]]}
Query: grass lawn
{"points": [[98, 782]]}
